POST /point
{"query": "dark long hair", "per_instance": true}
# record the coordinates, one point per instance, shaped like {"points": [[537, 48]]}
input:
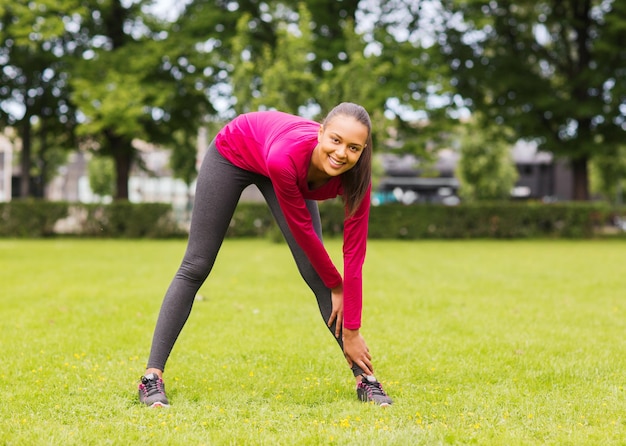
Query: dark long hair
{"points": [[357, 180]]}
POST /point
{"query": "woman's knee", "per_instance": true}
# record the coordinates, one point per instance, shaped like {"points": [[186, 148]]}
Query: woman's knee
{"points": [[195, 268]]}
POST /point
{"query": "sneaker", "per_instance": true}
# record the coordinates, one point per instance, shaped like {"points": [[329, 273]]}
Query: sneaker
{"points": [[370, 390], [152, 391]]}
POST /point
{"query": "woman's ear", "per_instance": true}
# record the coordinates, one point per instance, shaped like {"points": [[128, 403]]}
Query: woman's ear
{"points": [[320, 132]]}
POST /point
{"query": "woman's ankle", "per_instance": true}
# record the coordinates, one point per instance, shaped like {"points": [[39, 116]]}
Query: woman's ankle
{"points": [[157, 372]]}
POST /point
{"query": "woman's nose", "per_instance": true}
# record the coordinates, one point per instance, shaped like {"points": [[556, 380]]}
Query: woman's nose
{"points": [[341, 151]]}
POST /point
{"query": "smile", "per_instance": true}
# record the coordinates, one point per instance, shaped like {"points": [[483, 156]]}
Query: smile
{"points": [[334, 162]]}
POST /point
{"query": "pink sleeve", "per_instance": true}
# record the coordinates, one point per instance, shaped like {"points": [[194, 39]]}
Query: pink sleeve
{"points": [[283, 176], [354, 247]]}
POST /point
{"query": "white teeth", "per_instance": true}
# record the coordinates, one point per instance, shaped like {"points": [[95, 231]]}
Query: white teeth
{"points": [[335, 162]]}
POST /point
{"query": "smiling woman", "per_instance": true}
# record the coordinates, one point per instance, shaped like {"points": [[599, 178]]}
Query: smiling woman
{"points": [[294, 162], [340, 145]]}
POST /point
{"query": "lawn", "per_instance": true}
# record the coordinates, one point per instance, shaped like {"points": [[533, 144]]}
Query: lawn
{"points": [[478, 342]]}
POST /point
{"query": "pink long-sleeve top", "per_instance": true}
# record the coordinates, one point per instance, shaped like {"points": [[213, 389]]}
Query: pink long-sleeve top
{"points": [[279, 146]]}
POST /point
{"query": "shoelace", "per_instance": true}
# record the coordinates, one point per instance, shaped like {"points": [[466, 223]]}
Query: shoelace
{"points": [[151, 386], [373, 388]]}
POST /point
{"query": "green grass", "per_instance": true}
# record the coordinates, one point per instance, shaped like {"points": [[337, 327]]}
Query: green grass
{"points": [[479, 342]]}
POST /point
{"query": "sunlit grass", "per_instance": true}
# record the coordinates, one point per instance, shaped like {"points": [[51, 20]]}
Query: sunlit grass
{"points": [[482, 342]]}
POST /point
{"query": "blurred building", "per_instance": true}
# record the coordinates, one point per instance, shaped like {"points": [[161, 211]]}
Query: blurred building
{"points": [[541, 176], [405, 179], [154, 182], [6, 168]]}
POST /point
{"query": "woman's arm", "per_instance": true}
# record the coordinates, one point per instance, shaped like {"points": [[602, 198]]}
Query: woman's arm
{"points": [[299, 220], [354, 248]]}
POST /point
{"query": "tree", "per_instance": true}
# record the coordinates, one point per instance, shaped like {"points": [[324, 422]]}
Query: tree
{"points": [[272, 53], [101, 173], [137, 80], [486, 170], [286, 76], [551, 70], [35, 48], [608, 175]]}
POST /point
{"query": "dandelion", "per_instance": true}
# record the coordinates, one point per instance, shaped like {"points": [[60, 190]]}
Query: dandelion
{"points": [[418, 418]]}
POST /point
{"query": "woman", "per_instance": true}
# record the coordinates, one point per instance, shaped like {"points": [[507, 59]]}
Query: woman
{"points": [[294, 162]]}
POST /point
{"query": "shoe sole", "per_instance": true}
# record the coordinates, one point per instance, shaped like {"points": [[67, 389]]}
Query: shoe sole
{"points": [[159, 404]]}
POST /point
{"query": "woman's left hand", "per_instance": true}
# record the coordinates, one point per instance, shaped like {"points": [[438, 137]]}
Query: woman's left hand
{"points": [[337, 314], [356, 351]]}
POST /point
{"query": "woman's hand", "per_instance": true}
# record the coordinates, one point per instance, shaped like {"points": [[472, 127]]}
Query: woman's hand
{"points": [[337, 313], [356, 351]]}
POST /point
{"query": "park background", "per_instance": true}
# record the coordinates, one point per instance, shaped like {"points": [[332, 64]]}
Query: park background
{"points": [[492, 120], [469, 100]]}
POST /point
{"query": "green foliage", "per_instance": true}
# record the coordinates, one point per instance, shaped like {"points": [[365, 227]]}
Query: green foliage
{"points": [[183, 158], [129, 220], [489, 220], [287, 80], [30, 218], [101, 172], [608, 175], [357, 79], [146, 83], [285, 73], [551, 70], [156, 220], [508, 346], [34, 91], [486, 169], [279, 77]]}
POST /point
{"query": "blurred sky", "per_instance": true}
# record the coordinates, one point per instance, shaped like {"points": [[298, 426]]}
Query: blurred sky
{"points": [[168, 9]]}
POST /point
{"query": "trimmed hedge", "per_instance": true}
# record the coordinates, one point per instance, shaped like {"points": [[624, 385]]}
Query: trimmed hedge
{"points": [[128, 220], [38, 218], [488, 220], [32, 218]]}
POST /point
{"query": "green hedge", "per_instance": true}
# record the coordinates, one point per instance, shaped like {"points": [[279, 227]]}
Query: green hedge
{"points": [[128, 220], [36, 218], [484, 220], [489, 220], [32, 218]]}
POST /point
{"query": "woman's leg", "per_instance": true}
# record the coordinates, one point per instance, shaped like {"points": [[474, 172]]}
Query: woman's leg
{"points": [[218, 189], [308, 273]]}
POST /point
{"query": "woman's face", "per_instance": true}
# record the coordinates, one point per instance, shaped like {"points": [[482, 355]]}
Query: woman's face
{"points": [[341, 143]]}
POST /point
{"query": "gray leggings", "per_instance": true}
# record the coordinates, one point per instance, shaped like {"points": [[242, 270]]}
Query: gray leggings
{"points": [[219, 186]]}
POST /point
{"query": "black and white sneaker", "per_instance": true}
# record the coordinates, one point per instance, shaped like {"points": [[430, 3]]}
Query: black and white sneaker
{"points": [[152, 391], [370, 390]]}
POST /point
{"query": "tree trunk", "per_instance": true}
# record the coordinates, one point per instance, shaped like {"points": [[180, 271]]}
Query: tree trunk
{"points": [[123, 155], [580, 179], [123, 160], [25, 159]]}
